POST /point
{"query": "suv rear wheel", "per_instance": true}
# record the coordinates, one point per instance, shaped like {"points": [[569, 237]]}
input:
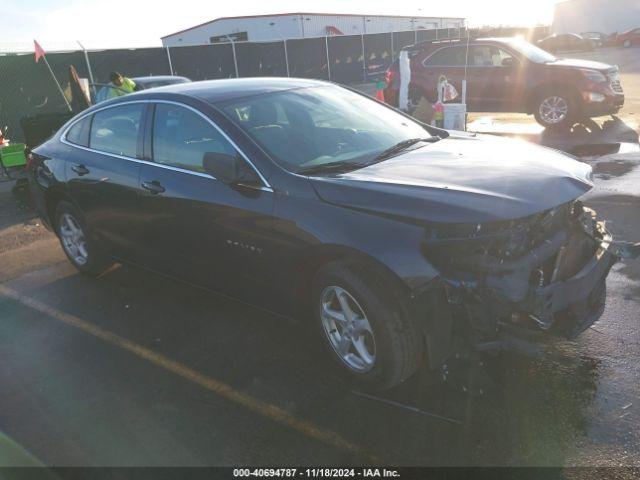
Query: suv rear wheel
{"points": [[556, 108], [365, 331]]}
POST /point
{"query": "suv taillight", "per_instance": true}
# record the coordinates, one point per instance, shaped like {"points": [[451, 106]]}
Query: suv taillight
{"points": [[390, 77]]}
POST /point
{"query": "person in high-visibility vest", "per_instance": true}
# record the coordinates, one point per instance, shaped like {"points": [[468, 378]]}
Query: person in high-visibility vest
{"points": [[119, 86]]}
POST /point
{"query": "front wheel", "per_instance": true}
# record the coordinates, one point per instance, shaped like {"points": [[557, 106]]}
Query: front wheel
{"points": [[80, 249], [365, 330], [556, 109]]}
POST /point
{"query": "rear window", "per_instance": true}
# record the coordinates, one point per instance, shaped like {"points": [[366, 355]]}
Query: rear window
{"points": [[448, 57], [116, 130], [78, 134]]}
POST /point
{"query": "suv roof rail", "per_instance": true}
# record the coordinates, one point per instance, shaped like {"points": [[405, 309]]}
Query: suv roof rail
{"points": [[442, 41]]}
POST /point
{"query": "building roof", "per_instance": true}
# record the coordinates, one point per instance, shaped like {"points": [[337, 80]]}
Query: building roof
{"points": [[300, 14]]}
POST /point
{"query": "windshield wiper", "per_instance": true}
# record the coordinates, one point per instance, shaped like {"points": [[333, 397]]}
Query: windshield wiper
{"points": [[402, 146], [340, 166]]}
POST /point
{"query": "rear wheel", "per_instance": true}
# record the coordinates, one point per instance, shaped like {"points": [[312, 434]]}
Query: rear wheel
{"points": [[556, 108], [80, 249], [366, 332]]}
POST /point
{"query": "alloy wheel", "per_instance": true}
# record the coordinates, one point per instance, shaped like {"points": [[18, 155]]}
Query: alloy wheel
{"points": [[553, 110], [73, 239], [347, 329]]}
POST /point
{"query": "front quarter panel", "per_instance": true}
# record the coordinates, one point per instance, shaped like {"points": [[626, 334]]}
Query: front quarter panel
{"points": [[307, 227]]}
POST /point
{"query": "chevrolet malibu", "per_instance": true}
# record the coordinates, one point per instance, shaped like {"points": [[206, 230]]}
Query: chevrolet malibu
{"points": [[402, 244]]}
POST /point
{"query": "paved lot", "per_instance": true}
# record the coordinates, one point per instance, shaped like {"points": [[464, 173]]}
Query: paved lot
{"points": [[134, 369]]}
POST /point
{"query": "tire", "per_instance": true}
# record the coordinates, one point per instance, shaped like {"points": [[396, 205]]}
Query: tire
{"points": [[393, 342], [550, 103], [77, 244]]}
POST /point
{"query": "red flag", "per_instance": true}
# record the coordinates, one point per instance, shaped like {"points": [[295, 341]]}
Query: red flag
{"points": [[39, 51]]}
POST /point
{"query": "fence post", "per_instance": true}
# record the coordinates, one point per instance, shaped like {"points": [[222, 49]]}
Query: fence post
{"points": [[86, 59], [364, 60], [326, 43], [286, 56], [393, 52], [235, 59], [170, 64]]}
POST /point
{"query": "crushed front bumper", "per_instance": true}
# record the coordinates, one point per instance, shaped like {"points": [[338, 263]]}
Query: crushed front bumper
{"points": [[570, 306]]}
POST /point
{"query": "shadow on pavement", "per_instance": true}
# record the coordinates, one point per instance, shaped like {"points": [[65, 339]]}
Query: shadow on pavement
{"points": [[533, 415], [585, 139]]}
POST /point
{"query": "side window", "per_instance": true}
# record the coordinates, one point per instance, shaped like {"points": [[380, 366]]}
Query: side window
{"points": [[448, 57], [78, 134], [181, 138], [488, 56], [116, 130]]}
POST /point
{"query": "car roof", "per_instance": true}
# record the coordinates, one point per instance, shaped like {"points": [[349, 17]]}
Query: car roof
{"points": [[429, 45], [216, 91], [159, 78]]}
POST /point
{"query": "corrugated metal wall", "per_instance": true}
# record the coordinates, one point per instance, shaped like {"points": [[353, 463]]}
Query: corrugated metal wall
{"points": [[278, 27]]}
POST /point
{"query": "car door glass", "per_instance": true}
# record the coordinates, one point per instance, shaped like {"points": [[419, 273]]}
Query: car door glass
{"points": [[181, 138], [488, 56], [116, 130], [78, 134], [448, 57]]}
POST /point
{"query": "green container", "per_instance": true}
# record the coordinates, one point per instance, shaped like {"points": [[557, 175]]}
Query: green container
{"points": [[13, 156]]}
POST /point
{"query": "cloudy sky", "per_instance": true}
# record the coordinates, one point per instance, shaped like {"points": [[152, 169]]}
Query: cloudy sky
{"points": [[57, 24]]}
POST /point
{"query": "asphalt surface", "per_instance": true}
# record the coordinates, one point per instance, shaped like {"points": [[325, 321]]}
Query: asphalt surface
{"points": [[132, 369], [248, 388]]}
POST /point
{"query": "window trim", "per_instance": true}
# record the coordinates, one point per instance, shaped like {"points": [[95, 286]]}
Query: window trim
{"points": [[501, 47], [63, 138]]}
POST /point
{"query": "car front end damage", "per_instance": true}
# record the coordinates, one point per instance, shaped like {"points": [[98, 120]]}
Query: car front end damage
{"points": [[511, 285]]}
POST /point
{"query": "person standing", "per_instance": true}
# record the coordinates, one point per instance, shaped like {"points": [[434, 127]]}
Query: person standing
{"points": [[119, 86]]}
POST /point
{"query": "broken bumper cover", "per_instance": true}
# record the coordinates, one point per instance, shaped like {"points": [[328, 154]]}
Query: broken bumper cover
{"points": [[570, 306], [558, 287]]}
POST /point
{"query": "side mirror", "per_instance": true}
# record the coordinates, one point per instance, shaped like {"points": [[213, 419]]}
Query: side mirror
{"points": [[228, 169], [222, 166], [508, 62]]}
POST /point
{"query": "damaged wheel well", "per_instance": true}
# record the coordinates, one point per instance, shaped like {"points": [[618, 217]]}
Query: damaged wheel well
{"points": [[316, 258]]}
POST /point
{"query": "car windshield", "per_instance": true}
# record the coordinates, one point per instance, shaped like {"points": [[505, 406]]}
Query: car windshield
{"points": [[533, 53], [307, 129]]}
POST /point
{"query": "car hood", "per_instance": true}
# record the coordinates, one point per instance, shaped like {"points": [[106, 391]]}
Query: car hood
{"points": [[577, 63], [461, 179]]}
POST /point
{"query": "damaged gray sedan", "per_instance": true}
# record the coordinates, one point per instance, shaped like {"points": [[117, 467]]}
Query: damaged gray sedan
{"points": [[404, 244]]}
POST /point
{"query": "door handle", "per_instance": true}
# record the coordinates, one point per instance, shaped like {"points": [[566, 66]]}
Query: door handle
{"points": [[154, 187], [80, 169]]}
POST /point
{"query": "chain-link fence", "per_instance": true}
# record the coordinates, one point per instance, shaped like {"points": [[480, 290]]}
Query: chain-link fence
{"points": [[27, 89]]}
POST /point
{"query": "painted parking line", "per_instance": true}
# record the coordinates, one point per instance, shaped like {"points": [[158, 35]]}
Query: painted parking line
{"points": [[225, 391]]}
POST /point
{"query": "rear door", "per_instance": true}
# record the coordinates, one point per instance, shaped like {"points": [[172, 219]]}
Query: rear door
{"points": [[201, 229], [446, 62], [102, 171]]}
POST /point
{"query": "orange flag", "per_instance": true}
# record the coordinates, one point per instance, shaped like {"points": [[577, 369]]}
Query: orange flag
{"points": [[39, 51]]}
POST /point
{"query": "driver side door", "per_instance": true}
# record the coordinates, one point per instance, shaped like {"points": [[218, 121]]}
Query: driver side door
{"points": [[495, 79]]}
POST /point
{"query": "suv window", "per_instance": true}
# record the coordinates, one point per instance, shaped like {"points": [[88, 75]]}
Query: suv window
{"points": [[181, 138], [487, 56], [78, 134], [116, 130], [448, 57]]}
